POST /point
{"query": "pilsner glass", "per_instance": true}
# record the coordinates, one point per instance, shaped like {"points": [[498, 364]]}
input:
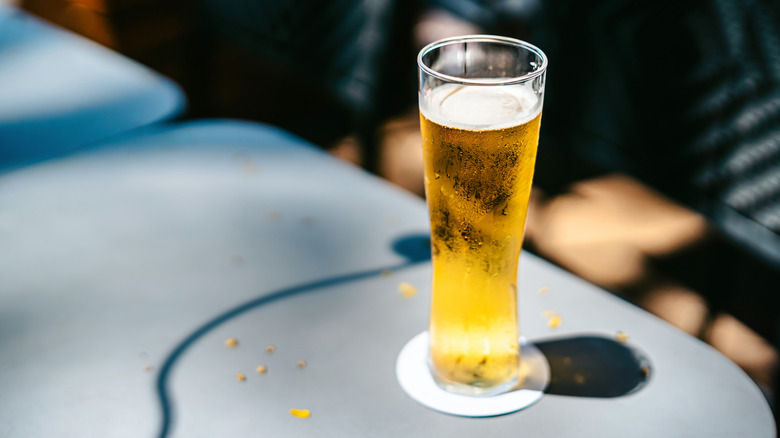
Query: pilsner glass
{"points": [[480, 108]]}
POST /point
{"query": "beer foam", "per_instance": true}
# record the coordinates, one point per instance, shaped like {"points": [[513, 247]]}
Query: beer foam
{"points": [[480, 107]]}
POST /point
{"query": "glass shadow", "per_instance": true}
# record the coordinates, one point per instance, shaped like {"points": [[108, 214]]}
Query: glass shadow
{"points": [[594, 366]]}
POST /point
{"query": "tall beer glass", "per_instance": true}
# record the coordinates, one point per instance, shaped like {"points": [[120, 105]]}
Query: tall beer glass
{"points": [[480, 108]]}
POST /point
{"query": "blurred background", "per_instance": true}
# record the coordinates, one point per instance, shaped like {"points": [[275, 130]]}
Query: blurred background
{"points": [[658, 175]]}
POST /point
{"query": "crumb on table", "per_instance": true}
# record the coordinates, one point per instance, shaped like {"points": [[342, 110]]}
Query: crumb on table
{"points": [[250, 167], [406, 289], [300, 413], [553, 319]]}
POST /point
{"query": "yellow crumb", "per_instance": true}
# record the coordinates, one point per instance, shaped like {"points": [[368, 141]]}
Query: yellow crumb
{"points": [[621, 337], [261, 369], [301, 364], [300, 413], [567, 361], [250, 167], [544, 290], [270, 349], [231, 342], [273, 215], [387, 273], [148, 368], [645, 371], [553, 319], [579, 379], [240, 377], [407, 290]]}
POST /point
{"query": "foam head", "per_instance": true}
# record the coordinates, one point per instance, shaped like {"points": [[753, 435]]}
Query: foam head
{"points": [[480, 107]]}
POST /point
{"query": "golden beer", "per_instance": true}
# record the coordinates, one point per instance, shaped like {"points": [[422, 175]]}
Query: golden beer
{"points": [[479, 154]]}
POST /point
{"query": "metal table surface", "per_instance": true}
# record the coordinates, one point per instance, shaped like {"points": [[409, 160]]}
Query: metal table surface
{"points": [[124, 268]]}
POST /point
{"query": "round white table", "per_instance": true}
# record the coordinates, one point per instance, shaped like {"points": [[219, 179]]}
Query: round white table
{"points": [[125, 268]]}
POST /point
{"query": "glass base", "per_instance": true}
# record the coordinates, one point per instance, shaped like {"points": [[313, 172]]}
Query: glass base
{"points": [[415, 378], [477, 391]]}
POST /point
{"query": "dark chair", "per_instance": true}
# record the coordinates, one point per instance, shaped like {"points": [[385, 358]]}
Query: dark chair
{"points": [[320, 69], [686, 97]]}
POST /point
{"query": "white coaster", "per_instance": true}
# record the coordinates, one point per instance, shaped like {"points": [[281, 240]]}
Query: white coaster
{"points": [[415, 378]]}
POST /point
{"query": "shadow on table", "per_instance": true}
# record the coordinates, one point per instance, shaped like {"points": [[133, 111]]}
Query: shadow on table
{"points": [[414, 248], [594, 366], [587, 366]]}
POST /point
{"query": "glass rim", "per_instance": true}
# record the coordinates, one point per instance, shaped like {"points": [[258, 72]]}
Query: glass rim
{"points": [[486, 39]]}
